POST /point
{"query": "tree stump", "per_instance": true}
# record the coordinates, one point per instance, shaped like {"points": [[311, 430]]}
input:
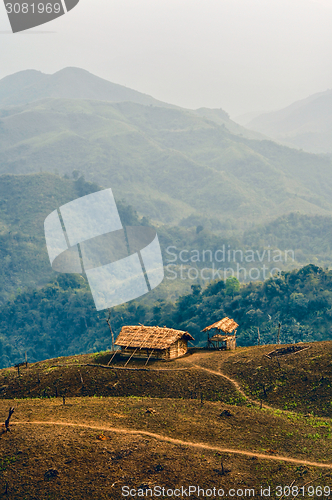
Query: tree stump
{"points": [[11, 411]]}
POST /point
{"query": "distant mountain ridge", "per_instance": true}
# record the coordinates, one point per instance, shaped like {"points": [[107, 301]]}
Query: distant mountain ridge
{"points": [[169, 163], [220, 117], [305, 124], [29, 86], [69, 83]]}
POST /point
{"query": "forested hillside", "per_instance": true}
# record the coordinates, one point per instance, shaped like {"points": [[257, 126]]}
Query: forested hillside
{"points": [[168, 163], [219, 199], [25, 202], [309, 236], [60, 319]]}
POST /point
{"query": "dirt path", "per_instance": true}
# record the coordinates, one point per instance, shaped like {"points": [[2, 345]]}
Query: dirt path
{"points": [[236, 385], [168, 439], [220, 374]]}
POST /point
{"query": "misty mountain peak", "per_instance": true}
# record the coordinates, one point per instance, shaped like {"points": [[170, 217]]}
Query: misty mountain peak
{"points": [[68, 83]]}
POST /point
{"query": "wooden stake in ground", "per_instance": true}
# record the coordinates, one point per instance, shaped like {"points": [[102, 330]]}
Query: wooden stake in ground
{"points": [[258, 337], [279, 325], [11, 411], [264, 390], [64, 397]]}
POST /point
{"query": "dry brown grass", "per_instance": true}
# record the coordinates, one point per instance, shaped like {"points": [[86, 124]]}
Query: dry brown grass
{"points": [[128, 437], [90, 460], [300, 382]]}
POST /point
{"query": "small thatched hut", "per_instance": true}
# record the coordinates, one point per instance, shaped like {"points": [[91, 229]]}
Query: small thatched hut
{"points": [[219, 341], [153, 342]]}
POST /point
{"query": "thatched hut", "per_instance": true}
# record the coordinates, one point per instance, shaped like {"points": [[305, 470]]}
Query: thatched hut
{"points": [[153, 342], [220, 341]]}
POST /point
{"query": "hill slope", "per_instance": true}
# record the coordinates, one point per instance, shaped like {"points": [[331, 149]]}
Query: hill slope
{"points": [[299, 381], [220, 117], [168, 163], [75, 83], [69, 83], [210, 432], [25, 202], [305, 124]]}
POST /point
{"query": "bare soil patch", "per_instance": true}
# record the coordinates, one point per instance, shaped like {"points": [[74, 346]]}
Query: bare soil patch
{"points": [[47, 461]]}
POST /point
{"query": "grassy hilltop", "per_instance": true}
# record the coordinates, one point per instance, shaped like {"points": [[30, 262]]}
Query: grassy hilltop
{"points": [[227, 419]]}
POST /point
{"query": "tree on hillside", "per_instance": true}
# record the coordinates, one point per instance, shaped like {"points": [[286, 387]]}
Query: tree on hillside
{"points": [[232, 286]]}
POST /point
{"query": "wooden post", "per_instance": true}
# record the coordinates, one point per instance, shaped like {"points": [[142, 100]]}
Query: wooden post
{"points": [[18, 365], [149, 357], [26, 360], [264, 390], [258, 336], [64, 397], [131, 356], [138, 348], [11, 411], [108, 321], [279, 325], [111, 359]]}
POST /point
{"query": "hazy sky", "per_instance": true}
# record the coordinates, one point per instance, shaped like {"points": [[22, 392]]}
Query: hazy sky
{"points": [[239, 55]]}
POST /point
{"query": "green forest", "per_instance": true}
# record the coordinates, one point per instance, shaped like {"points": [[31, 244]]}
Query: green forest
{"points": [[26, 200], [60, 319], [47, 314], [206, 185], [169, 163]]}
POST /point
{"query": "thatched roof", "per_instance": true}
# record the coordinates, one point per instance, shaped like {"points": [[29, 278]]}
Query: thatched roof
{"points": [[219, 338], [149, 337], [226, 325]]}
